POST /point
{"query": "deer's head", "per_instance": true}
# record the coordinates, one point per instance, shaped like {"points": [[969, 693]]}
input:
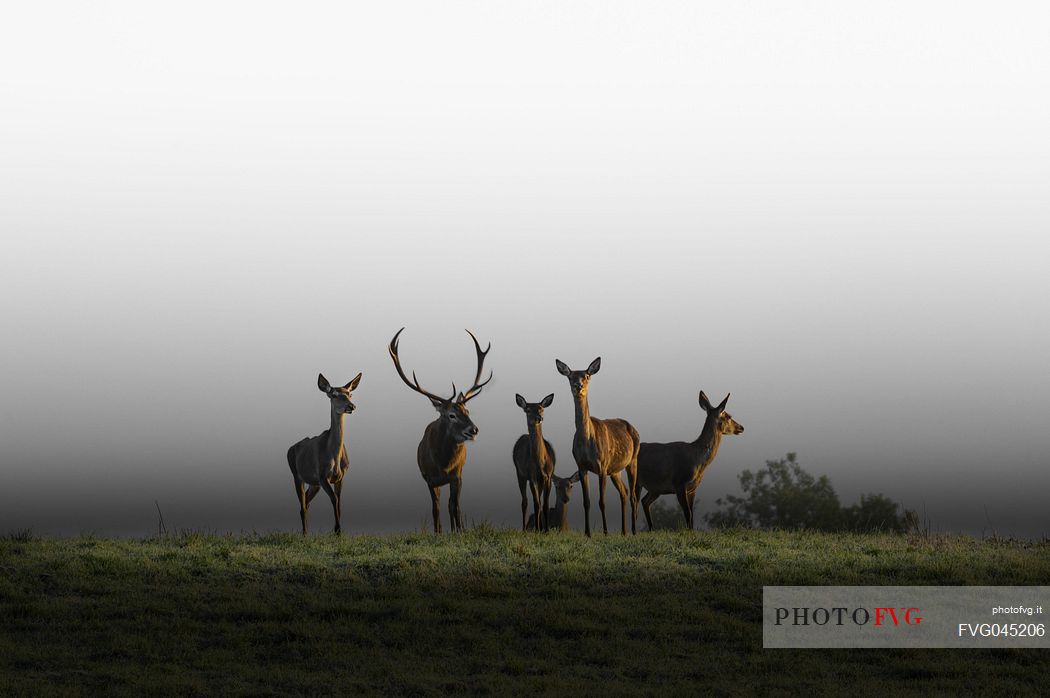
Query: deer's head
{"points": [[457, 419], [578, 380], [725, 423], [452, 410], [533, 410], [563, 486], [340, 397]]}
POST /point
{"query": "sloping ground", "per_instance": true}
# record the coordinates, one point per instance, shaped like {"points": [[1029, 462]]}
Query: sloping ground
{"points": [[485, 612]]}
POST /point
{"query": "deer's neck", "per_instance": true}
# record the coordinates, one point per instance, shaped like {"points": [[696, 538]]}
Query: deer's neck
{"points": [[705, 448], [539, 447], [335, 434], [561, 514], [583, 416], [446, 445]]}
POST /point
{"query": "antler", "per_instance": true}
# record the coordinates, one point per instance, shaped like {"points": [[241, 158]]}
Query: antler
{"points": [[475, 390], [414, 383]]}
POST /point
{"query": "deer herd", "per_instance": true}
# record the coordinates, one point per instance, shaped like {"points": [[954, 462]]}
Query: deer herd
{"points": [[605, 447]]}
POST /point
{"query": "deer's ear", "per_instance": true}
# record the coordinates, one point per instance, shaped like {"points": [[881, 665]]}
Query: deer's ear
{"points": [[546, 402], [352, 385], [704, 402], [722, 405], [575, 477], [322, 383], [439, 405], [520, 400], [595, 365], [562, 368]]}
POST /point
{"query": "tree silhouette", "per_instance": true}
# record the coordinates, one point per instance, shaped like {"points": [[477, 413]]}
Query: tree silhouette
{"points": [[783, 495]]}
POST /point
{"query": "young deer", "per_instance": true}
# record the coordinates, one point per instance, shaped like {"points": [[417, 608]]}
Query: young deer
{"points": [[604, 447], [442, 451], [559, 513], [321, 461], [677, 467], [534, 461]]}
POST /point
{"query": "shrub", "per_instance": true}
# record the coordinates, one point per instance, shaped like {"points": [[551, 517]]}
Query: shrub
{"points": [[783, 495]]}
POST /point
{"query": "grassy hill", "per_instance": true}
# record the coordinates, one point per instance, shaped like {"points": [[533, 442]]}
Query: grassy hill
{"points": [[486, 612]]}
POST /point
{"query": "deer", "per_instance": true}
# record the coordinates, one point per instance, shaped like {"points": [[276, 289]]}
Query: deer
{"points": [[605, 447], [320, 462], [559, 513], [442, 451], [677, 467], [534, 461]]}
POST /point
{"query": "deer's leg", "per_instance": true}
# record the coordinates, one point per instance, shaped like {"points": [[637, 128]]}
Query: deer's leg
{"points": [[691, 498], [618, 484], [454, 512], [311, 492], [586, 502], [683, 501], [300, 493], [546, 505], [327, 487], [601, 502], [647, 502], [536, 503], [459, 508], [338, 487], [451, 509], [435, 507], [632, 487], [522, 485]]}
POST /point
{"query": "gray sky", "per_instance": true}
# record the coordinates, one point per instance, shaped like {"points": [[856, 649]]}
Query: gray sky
{"points": [[837, 211]]}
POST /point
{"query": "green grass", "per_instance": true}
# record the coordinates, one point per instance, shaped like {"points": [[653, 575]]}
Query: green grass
{"points": [[485, 612]]}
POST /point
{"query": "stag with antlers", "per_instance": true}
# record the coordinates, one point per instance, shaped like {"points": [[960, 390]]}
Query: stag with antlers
{"points": [[442, 451], [676, 468], [320, 462], [534, 462], [604, 447]]}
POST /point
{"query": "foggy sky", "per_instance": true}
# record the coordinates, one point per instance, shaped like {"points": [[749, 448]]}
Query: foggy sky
{"points": [[836, 211]]}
